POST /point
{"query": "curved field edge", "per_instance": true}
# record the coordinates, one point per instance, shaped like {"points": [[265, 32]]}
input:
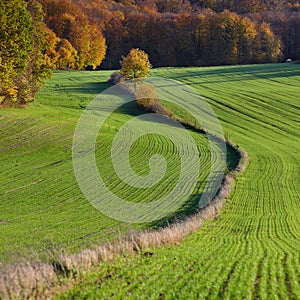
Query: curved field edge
{"points": [[43, 280]]}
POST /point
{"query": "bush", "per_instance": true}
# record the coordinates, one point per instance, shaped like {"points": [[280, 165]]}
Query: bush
{"points": [[115, 78], [147, 99]]}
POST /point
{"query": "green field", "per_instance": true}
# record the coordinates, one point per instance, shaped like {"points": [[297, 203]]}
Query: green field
{"points": [[42, 209], [252, 250]]}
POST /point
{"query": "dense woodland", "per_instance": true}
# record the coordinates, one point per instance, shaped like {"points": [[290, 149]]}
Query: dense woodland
{"points": [[97, 33], [39, 35]]}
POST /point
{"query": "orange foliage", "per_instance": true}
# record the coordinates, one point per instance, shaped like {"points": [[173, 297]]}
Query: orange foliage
{"points": [[174, 33]]}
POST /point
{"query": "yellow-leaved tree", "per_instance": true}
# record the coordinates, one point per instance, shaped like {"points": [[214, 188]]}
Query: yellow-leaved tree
{"points": [[135, 65], [23, 63]]}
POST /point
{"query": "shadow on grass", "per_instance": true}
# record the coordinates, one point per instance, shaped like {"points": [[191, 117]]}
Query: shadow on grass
{"points": [[93, 88], [192, 204]]}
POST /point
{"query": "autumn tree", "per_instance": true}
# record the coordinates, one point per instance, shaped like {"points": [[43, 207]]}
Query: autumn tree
{"points": [[39, 67], [84, 45], [68, 56], [135, 65], [90, 44], [23, 65], [247, 34], [267, 47], [51, 53], [291, 37], [16, 42], [116, 35], [185, 43]]}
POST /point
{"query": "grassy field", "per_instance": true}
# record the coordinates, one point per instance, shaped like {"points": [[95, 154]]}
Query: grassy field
{"points": [[41, 206], [252, 250]]}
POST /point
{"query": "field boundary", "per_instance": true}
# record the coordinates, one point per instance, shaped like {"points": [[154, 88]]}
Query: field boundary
{"points": [[40, 280]]}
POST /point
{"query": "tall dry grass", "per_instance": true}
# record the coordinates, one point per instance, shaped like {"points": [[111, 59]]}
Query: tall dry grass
{"points": [[33, 280]]}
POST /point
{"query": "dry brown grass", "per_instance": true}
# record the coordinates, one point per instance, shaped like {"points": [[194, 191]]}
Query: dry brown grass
{"points": [[32, 280], [25, 280]]}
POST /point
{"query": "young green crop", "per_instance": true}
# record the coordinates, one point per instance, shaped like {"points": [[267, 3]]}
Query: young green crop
{"points": [[41, 206], [252, 250]]}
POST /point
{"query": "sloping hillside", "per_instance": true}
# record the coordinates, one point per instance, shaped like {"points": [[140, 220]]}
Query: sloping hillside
{"points": [[252, 250]]}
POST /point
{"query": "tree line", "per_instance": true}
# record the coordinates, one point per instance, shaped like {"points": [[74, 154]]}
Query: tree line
{"points": [[94, 33]]}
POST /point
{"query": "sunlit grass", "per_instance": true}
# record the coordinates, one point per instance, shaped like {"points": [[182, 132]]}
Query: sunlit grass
{"points": [[252, 250], [41, 206]]}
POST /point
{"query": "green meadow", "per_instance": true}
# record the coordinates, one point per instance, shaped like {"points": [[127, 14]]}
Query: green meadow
{"points": [[42, 209], [252, 250]]}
